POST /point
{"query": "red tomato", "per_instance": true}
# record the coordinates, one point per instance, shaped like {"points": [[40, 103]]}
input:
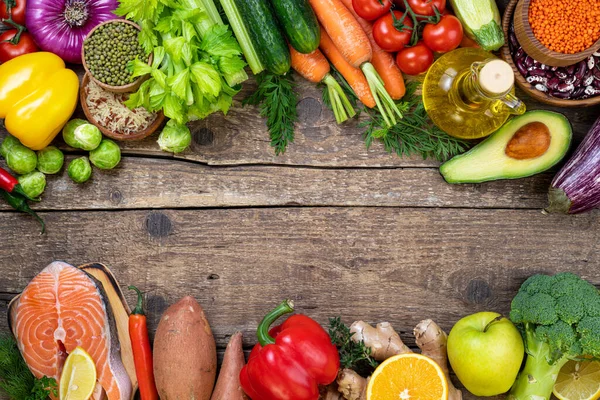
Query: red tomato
{"points": [[444, 36], [8, 51], [18, 12], [424, 7], [388, 37], [415, 60], [370, 9]]}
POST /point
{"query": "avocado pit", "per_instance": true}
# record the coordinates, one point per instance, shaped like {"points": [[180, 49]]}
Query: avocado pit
{"points": [[530, 141]]}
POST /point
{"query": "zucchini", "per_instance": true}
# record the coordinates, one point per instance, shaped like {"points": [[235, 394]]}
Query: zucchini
{"points": [[299, 23], [266, 35], [481, 22]]}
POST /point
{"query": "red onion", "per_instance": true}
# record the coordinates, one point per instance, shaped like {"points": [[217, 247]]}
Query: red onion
{"points": [[60, 26]]}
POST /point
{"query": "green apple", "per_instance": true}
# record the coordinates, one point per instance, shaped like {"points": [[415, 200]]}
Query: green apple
{"points": [[485, 351]]}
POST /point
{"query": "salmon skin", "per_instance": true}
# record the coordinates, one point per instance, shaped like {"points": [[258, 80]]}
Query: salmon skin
{"points": [[63, 308]]}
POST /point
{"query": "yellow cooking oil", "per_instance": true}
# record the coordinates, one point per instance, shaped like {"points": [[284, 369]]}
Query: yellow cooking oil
{"points": [[469, 93]]}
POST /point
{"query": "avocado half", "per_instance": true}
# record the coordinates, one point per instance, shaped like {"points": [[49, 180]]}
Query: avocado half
{"points": [[525, 146]]}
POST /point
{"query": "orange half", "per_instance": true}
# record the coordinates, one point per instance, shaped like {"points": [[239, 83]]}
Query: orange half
{"points": [[408, 376]]}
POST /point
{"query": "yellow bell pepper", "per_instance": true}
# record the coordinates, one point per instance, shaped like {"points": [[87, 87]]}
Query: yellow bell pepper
{"points": [[38, 95]]}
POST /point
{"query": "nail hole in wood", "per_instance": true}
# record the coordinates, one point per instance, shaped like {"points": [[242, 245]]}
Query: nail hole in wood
{"points": [[158, 225], [203, 137], [478, 291], [213, 277]]}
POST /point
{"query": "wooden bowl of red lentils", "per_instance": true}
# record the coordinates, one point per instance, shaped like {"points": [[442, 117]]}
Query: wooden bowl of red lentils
{"points": [[558, 32]]}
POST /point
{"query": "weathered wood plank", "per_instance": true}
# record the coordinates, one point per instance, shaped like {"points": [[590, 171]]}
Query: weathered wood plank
{"points": [[371, 263], [241, 137], [163, 183]]}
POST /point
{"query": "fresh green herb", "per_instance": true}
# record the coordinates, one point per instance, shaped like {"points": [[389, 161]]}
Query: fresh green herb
{"points": [[197, 65], [353, 355], [414, 134], [16, 379], [276, 95]]}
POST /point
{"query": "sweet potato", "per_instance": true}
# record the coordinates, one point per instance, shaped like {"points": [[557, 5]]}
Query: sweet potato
{"points": [[185, 355], [228, 385]]}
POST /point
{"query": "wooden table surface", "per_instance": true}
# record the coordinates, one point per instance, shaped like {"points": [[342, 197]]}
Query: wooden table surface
{"points": [[341, 230]]}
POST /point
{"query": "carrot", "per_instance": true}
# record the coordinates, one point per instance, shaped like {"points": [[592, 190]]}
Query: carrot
{"points": [[314, 67], [354, 76], [384, 62], [344, 30]]}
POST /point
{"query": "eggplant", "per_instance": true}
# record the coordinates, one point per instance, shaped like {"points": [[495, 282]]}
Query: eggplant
{"points": [[576, 187]]}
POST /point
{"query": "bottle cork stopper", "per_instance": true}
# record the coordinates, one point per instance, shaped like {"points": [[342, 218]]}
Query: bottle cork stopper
{"points": [[496, 77]]}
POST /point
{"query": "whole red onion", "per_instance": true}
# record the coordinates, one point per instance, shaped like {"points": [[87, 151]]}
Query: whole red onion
{"points": [[60, 26]]}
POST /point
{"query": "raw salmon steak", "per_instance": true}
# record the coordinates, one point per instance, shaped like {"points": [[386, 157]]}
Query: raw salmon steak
{"points": [[63, 308]]}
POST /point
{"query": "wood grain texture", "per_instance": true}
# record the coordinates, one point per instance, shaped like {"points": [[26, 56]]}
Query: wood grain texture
{"points": [[162, 183], [371, 263]]}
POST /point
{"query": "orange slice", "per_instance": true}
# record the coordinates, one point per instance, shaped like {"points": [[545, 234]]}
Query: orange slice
{"points": [[408, 377]]}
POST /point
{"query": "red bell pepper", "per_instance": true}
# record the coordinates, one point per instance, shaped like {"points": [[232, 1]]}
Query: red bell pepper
{"points": [[291, 360]]}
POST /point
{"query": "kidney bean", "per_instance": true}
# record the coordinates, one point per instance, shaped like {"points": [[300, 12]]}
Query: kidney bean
{"points": [[541, 87], [565, 88], [528, 61], [577, 93], [560, 95], [592, 91], [581, 69], [570, 70], [537, 79], [553, 83], [591, 62]]}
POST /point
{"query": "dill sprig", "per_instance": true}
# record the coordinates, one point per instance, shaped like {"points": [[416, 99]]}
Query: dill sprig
{"points": [[413, 134], [276, 95], [353, 355], [16, 379]]}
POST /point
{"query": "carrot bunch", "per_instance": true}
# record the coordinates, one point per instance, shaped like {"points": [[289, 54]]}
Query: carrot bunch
{"points": [[349, 46]]}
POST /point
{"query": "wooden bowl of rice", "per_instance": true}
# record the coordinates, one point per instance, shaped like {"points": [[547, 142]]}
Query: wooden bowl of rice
{"points": [[118, 127]]}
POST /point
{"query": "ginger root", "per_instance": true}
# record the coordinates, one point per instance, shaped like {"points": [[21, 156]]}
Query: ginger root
{"points": [[351, 385], [330, 393], [383, 340], [432, 340]]}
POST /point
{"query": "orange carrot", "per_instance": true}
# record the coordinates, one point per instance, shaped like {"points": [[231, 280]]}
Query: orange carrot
{"points": [[384, 62], [355, 77], [315, 68], [344, 30]]}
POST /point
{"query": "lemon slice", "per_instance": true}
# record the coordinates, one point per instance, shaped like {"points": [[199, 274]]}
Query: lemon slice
{"points": [[78, 378], [578, 380], [408, 377]]}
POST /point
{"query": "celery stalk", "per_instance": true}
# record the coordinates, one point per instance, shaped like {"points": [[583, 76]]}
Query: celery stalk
{"points": [[212, 11], [242, 35]]}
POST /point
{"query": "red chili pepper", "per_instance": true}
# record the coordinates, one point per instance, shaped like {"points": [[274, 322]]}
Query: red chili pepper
{"points": [[10, 184], [293, 363], [142, 353]]}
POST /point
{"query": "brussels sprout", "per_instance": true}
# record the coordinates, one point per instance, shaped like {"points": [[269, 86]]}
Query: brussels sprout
{"points": [[175, 138], [88, 136], [107, 155], [69, 132], [50, 160], [8, 144], [33, 183], [80, 170], [21, 159]]}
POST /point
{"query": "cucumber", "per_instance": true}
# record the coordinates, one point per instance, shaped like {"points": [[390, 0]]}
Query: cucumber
{"points": [[481, 22], [299, 23], [266, 35]]}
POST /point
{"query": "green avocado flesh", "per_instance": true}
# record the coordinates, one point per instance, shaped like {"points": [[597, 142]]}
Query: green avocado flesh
{"points": [[489, 161]]}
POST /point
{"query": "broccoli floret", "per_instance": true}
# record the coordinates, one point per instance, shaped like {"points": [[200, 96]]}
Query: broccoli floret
{"points": [[559, 317]]}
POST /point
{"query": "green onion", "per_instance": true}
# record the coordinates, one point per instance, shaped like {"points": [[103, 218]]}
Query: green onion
{"points": [[242, 35]]}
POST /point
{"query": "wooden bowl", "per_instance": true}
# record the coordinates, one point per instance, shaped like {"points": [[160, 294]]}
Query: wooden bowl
{"points": [[535, 49], [130, 87], [520, 79], [153, 127]]}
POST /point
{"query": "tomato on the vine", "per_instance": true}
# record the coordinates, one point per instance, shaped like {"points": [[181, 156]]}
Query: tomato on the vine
{"points": [[8, 51], [370, 9], [424, 7], [415, 60], [444, 36], [18, 12], [388, 37]]}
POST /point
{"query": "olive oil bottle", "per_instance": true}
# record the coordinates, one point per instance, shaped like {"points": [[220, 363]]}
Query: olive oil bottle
{"points": [[469, 93]]}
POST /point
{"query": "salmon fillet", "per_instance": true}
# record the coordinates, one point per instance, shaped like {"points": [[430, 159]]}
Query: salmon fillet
{"points": [[63, 308]]}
